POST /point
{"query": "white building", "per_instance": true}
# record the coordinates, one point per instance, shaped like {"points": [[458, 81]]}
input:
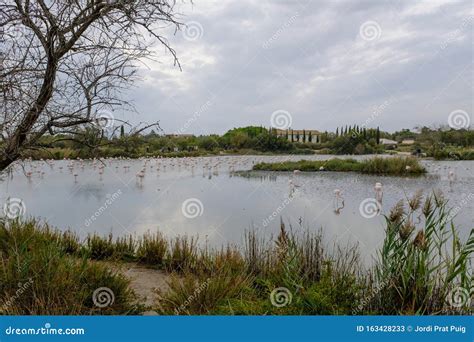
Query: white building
{"points": [[300, 135], [388, 142]]}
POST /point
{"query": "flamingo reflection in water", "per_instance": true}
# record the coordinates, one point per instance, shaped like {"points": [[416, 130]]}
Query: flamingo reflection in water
{"points": [[451, 179], [338, 201]]}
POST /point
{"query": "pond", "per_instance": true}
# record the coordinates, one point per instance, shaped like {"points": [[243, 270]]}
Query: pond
{"points": [[218, 198]]}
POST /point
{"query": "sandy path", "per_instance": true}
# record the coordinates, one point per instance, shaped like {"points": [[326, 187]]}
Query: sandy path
{"points": [[144, 281]]}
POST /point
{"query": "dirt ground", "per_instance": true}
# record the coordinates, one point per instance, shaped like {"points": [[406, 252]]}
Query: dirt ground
{"points": [[144, 281]]}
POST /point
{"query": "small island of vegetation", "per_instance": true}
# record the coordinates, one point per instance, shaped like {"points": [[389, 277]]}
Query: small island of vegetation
{"points": [[398, 166]]}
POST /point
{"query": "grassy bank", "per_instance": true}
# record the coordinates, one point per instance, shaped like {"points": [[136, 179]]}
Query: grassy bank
{"points": [[453, 154], [397, 166], [416, 271], [65, 153], [41, 275]]}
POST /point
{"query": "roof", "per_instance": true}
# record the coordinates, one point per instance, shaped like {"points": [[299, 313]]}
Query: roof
{"points": [[388, 142], [297, 131]]}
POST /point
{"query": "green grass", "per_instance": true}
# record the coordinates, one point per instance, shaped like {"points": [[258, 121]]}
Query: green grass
{"points": [[451, 153], [421, 263], [40, 276], [397, 166]]}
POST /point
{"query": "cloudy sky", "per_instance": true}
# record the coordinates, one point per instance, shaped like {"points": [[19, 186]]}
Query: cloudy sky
{"points": [[317, 64]]}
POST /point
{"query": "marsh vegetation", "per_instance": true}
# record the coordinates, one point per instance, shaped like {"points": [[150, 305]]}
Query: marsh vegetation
{"points": [[421, 262], [398, 166]]}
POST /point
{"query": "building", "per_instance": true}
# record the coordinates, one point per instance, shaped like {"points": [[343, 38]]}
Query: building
{"points": [[179, 135], [408, 142], [300, 135], [388, 143]]}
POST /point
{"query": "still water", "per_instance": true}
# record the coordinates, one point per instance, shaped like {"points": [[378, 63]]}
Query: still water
{"points": [[218, 198]]}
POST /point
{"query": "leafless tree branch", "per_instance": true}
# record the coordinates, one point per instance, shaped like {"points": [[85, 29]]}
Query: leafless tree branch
{"points": [[66, 62]]}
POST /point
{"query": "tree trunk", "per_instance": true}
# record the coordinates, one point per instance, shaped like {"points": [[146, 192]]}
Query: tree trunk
{"points": [[5, 161]]}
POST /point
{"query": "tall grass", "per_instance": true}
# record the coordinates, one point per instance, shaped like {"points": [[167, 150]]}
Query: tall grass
{"points": [[423, 263], [152, 249], [319, 282], [418, 269], [39, 277], [377, 165]]}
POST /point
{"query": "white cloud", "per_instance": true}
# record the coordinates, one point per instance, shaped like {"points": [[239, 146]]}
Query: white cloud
{"points": [[316, 63]]}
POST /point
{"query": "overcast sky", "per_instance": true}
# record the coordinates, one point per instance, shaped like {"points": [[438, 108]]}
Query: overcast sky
{"points": [[317, 64]]}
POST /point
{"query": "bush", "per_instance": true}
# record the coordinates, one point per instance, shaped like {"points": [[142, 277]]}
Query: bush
{"points": [[38, 277], [152, 249]]}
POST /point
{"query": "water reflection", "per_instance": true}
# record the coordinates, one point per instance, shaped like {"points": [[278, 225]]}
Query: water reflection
{"points": [[152, 191]]}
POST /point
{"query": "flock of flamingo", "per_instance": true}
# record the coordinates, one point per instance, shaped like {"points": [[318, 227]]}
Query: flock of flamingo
{"points": [[210, 166], [142, 167]]}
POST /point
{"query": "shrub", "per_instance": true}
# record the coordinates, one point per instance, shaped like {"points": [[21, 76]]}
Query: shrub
{"points": [[152, 249], [37, 277]]}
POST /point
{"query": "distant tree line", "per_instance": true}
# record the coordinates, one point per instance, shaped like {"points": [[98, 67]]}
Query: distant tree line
{"points": [[439, 143]]}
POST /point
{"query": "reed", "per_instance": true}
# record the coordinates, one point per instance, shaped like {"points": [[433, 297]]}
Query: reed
{"points": [[152, 249], [423, 264], [420, 266], [183, 254]]}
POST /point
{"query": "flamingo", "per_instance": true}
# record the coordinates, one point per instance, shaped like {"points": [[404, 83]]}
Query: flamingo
{"points": [[338, 197], [378, 192]]}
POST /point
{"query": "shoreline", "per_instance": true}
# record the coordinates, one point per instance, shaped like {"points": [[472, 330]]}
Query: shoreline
{"points": [[198, 280]]}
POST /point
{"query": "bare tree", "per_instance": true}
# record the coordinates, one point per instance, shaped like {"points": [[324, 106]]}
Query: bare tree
{"points": [[65, 63]]}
